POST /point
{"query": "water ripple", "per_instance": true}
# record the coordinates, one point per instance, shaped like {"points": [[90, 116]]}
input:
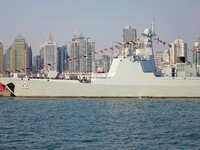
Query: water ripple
{"points": [[99, 124]]}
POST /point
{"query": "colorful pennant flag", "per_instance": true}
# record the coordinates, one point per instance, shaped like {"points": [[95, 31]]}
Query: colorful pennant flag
{"points": [[133, 42], [111, 48], [193, 50]]}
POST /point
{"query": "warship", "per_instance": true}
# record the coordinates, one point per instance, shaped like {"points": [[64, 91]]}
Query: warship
{"points": [[131, 75]]}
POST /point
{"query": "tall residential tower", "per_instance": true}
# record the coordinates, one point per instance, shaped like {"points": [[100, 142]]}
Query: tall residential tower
{"points": [[178, 52], [196, 55], [81, 54]]}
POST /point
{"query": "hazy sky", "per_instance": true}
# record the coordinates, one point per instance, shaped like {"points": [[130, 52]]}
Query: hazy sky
{"points": [[101, 20]]}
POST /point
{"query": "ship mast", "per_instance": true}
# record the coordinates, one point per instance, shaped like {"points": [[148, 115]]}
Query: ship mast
{"points": [[153, 34], [148, 35], [153, 27]]}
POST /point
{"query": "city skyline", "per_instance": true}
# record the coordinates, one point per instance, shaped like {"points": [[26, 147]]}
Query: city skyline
{"points": [[102, 21]]}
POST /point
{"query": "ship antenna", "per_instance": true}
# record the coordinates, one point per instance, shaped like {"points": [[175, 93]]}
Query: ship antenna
{"points": [[152, 35], [153, 26]]}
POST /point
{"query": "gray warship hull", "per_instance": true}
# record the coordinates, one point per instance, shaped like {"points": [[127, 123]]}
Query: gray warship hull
{"points": [[132, 74]]}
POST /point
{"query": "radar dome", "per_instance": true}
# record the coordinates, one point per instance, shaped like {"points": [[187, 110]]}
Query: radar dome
{"points": [[147, 31]]}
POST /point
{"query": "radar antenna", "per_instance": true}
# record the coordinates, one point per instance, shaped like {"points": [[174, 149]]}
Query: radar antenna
{"points": [[153, 27]]}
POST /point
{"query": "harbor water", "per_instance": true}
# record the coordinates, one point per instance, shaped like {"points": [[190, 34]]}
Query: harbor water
{"points": [[104, 124]]}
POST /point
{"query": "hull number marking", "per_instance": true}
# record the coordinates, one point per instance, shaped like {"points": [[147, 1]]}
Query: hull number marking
{"points": [[23, 85]]}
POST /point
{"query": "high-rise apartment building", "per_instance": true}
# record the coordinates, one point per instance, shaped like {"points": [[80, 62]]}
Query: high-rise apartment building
{"points": [[49, 54], [196, 55], [1, 59], [178, 52], [196, 52], [20, 56], [81, 54]]}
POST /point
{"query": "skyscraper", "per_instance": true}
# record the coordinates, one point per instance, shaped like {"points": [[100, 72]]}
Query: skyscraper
{"points": [[20, 54], [62, 57], [81, 54], [178, 51], [196, 55], [7, 61], [49, 54], [129, 34], [36, 63], [1, 59]]}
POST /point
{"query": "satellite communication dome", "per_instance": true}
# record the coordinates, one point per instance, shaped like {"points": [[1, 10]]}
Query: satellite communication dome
{"points": [[147, 31], [196, 44]]}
